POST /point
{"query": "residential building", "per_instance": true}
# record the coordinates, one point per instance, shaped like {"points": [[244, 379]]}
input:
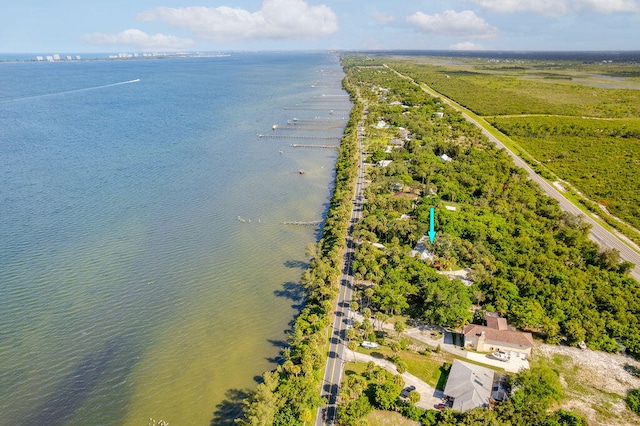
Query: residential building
{"points": [[496, 335], [469, 386]]}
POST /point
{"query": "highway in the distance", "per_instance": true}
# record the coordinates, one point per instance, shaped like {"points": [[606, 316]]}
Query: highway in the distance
{"points": [[341, 321]]}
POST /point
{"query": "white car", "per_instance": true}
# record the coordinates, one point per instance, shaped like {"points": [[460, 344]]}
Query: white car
{"points": [[369, 345], [501, 356]]}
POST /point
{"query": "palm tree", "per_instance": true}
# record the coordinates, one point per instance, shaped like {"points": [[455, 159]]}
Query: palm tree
{"points": [[399, 326], [368, 292]]}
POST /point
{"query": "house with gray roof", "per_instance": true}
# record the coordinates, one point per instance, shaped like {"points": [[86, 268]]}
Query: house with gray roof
{"points": [[469, 386]]}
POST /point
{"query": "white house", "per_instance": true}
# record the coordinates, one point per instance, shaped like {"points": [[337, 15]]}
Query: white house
{"points": [[421, 249]]}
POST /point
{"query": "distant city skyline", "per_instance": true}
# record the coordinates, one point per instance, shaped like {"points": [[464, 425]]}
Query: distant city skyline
{"points": [[73, 27]]}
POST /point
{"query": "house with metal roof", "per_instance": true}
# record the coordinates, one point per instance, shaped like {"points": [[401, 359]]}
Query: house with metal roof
{"points": [[469, 386]]}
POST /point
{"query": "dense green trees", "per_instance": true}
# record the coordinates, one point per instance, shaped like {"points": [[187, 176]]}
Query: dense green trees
{"points": [[587, 135], [531, 262]]}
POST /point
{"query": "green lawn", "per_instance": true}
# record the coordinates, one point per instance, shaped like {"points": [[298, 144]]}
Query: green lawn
{"points": [[388, 418]]}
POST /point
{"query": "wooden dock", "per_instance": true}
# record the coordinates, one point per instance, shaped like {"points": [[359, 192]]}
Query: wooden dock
{"points": [[298, 145], [307, 127], [298, 137], [308, 223]]}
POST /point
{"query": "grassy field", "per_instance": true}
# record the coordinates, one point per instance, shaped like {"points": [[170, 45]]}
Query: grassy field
{"points": [[596, 156], [388, 418], [580, 121], [428, 368]]}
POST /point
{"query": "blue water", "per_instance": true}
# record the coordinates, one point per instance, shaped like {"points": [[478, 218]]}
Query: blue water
{"points": [[129, 288]]}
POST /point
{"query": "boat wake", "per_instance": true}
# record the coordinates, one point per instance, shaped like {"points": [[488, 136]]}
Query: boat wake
{"points": [[86, 89]]}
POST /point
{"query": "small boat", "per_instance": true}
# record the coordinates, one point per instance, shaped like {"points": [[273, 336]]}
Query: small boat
{"points": [[301, 172]]}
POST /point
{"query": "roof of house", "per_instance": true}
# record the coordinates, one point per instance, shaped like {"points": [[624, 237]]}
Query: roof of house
{"points": [[421, 249], [496, 322], [517, 338], [470, 385]]}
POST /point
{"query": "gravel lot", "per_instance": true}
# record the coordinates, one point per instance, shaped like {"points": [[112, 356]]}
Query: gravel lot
{"points": [[596, 383]]}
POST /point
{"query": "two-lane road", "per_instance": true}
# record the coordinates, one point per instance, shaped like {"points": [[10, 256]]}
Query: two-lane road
{"points": [[342, 321]]}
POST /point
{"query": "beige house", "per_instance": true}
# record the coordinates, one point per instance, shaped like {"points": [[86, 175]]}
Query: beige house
{"points": [[497, 335]]}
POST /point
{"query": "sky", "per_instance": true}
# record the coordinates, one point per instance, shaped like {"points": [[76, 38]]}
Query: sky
{"points": [[77, 26]]}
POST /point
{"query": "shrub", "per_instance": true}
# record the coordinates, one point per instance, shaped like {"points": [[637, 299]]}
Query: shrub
{"points": [[633, 400]]}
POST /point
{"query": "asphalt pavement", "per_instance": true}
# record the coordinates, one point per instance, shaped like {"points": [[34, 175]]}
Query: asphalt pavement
{"points": [[342, 321]]}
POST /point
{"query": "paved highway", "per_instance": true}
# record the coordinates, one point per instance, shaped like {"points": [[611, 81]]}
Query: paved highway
{"points": [[342, 320], [599, 234]]}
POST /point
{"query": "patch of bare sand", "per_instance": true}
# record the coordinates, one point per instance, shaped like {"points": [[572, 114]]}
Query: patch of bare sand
{"points": [[596, 383]]}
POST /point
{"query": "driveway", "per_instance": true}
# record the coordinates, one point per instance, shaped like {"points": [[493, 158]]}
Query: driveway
{"points": [[423, 334], [429, 396]]}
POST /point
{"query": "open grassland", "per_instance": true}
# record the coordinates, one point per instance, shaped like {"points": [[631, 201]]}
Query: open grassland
{"points": [[580, 121], [488, 90], [600, 157], [388, 418]]}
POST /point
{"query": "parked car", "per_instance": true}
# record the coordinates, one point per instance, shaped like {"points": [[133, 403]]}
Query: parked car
{"points": [[500, 356], [369, 345], [406, 391], [441, 406]]}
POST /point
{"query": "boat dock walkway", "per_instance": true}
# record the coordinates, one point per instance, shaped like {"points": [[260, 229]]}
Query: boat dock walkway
{"points": [[298, 145], [301, 223], [297, 137]]}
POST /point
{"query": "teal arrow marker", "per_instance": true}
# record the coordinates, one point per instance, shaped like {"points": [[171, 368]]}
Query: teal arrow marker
{"points": [[432, 233]]}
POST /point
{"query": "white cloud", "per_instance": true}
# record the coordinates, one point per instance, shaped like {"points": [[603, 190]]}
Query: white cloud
{"points": [[138, 39], [277, 19], [452, 23], [466, 45], [609, 6], [541, 7], [383, 17], [559, 7]]}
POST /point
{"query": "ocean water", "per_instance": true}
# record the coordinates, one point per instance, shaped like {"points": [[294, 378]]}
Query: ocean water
{"points": [[145, 271]]}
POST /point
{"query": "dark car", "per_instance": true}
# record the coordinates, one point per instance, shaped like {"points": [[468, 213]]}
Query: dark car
{"points": [[406, 391]]}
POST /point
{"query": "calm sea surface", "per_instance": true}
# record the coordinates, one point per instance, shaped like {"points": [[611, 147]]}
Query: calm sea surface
{"points": [[144, 268]]}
